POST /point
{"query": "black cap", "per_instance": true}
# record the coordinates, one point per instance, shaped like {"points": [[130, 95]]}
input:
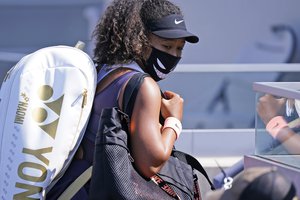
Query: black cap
{"points": [[171, 27]]}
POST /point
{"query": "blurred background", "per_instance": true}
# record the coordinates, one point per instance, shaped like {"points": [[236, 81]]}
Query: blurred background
{"points": [[231, 32]]}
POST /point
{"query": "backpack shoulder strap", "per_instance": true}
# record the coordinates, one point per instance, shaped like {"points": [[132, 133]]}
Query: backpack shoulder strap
{"points": [[76, 185]]}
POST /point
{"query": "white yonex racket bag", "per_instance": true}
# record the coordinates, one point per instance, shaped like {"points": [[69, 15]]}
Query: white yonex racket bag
{"points": [[45, 103]]}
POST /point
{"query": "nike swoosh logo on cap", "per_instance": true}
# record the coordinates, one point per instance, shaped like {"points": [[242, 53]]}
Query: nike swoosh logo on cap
{"points": [[178, 22]]}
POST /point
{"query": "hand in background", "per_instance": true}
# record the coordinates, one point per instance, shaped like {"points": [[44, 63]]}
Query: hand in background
{"points": [[268, 107]]}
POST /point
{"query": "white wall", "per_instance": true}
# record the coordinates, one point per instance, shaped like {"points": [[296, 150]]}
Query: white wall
{"points": [[227, 27]]}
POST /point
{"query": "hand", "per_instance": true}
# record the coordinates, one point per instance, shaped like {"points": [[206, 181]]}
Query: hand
{"points": [[172, 105], [269, 107]]}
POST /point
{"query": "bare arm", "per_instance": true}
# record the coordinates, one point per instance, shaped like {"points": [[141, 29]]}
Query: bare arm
{"points": [[290, 140], [149, 145]]}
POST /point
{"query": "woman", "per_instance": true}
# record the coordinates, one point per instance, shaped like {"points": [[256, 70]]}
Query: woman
{"points": [[132, 36]]}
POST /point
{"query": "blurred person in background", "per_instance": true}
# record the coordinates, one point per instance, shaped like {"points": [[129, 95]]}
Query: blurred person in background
{"points": [[257, 183]]}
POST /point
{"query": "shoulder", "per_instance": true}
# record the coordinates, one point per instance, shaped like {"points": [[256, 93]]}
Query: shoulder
{"points": [[148, 92], [149, 89], [147, 104]]}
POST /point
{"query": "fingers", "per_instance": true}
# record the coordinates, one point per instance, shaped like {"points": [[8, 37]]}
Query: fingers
{"points": [[172, 105], [282, 100], [266, 97], [169, 94], [173, 99], [268, 107]]}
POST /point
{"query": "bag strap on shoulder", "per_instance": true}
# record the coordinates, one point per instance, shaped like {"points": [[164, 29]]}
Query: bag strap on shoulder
{"points": [[131, 91]]}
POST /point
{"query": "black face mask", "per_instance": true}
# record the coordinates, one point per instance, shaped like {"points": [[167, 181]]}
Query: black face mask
{"points": [[160, 63]]}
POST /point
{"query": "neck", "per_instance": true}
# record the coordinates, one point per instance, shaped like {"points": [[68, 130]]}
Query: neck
{"points": [[141, 64]]}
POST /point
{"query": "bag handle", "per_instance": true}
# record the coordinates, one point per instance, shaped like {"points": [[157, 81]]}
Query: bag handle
{"points": [[184, 157], [131, 91]]}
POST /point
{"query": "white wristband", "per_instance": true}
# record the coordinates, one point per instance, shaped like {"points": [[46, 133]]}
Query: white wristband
{"points": [[173, 123]]}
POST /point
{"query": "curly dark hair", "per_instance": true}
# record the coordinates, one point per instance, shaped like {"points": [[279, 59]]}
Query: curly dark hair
{"points": [[121, 34]]}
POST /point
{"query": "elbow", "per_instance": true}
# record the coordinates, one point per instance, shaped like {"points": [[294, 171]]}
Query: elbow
{"points": [[151, 167], [148, 172]]}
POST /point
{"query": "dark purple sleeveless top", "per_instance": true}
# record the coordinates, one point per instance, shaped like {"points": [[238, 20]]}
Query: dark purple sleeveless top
{"points": [[107, 98]]}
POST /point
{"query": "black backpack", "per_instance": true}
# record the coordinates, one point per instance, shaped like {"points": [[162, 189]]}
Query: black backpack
{"points": [[113, 174]]}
